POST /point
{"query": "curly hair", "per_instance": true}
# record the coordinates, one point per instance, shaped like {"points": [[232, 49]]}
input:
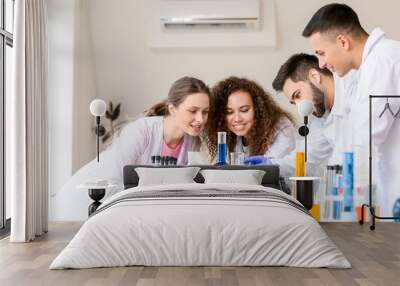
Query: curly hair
{"points": [[267, 116]]}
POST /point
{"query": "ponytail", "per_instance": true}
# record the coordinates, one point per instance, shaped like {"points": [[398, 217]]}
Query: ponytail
{"points": [[158, 109]]}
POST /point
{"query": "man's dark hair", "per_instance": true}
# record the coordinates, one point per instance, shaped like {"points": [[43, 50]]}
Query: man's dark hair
{"points": [[334, 17], [297, 68]]}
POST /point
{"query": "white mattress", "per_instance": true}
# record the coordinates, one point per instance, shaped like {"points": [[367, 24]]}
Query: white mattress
{"points": [[192, 231]]}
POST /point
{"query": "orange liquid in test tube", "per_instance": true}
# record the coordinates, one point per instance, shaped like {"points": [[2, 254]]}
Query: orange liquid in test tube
{"points": [[300, 164], [316, 212]]}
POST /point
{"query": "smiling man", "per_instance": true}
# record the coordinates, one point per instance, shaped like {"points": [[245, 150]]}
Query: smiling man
{"points": [[337, 38], [341, 44]]}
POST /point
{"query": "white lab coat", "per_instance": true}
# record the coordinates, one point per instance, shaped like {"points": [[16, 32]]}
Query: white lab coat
{"points": [[285, 140], [135, 145], [283, 144], [379, 74], [336, 127]]}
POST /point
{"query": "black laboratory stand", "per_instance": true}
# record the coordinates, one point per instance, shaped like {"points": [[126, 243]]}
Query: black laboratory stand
{"points": [[370, 205]]}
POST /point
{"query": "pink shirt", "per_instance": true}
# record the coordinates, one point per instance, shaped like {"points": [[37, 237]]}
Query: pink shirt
{"points": [[172, 152]]}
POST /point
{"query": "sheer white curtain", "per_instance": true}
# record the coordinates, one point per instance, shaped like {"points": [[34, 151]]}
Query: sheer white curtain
{"points": [[28, 120]]}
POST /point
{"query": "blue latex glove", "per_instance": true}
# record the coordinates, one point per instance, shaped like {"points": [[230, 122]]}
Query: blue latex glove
{"points": [[257, 160]]}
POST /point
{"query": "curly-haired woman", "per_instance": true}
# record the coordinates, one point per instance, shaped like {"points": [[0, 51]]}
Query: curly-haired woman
{"points": [[254, 122]]}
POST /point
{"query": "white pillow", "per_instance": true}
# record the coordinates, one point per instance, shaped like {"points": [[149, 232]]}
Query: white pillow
{"points": [[248, 177], [166, 176]]}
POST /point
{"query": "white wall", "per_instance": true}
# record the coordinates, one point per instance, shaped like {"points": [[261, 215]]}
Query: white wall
{"points": [[98, 48], [85, 89], [61, 84]]}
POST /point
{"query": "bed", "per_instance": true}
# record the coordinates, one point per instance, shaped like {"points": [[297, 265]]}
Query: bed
{"points": [[201, 224]]}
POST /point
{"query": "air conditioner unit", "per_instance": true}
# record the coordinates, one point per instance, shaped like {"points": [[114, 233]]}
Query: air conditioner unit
{"points": [[210, 13], [210, 23]]}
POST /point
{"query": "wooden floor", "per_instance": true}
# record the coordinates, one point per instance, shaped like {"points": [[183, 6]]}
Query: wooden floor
{"points": [[375, 257]]}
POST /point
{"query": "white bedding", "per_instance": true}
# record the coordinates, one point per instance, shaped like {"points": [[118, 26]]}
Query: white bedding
{"points": [[182, 231]]}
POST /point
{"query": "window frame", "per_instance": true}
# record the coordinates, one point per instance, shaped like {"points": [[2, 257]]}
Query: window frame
{"points": [[6, 39]]}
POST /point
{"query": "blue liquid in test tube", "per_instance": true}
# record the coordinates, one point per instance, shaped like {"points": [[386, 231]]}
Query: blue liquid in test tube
{"points": [[222, 150], [348, 176]]}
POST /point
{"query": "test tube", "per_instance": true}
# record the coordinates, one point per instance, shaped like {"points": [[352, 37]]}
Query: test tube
{"points": [[233, 158], [240, 158], [300, 159], [348, 175], [329, 173], [222, 150]]}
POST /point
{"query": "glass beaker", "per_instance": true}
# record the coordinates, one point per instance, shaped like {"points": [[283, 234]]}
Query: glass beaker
{"points": [[237, 158]]}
